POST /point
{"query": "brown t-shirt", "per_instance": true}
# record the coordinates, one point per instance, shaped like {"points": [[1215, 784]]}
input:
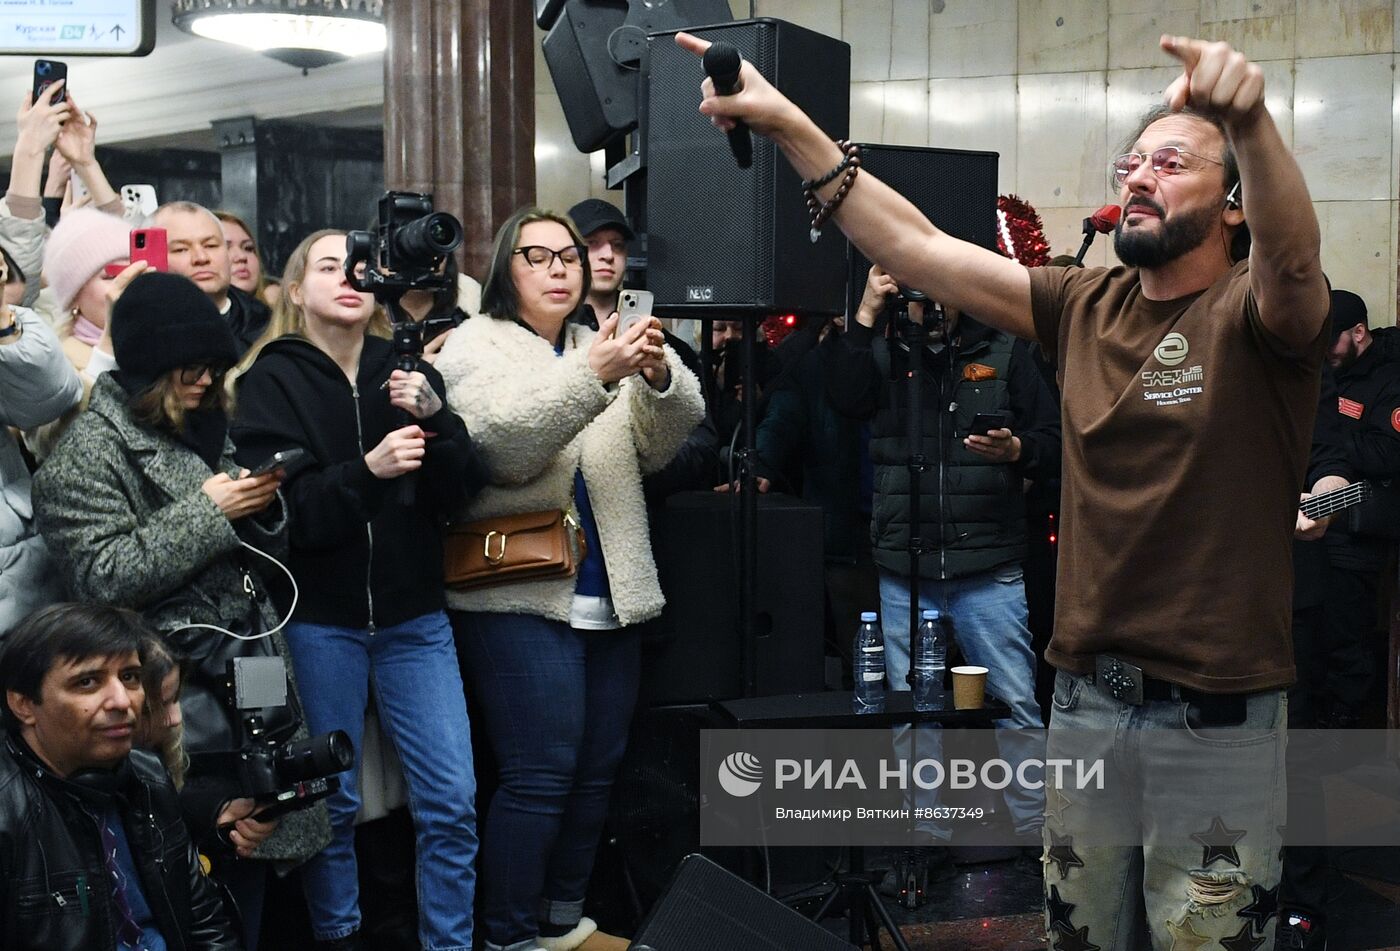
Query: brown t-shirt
{"points": [[1186, 434]]}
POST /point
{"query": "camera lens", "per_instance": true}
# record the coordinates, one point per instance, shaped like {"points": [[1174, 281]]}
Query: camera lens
{"points": [[42, 68], [422, 242], [315, 757]]}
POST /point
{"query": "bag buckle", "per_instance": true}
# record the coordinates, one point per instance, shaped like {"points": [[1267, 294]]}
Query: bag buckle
{"points": [[1119, 679], [500, 556]]}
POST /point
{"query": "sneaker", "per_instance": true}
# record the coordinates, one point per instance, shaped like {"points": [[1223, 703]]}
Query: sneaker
{"points": [[1299, 932]]}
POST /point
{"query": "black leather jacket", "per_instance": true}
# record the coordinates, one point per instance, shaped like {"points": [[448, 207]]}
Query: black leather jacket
{"points": [[53, 883]]}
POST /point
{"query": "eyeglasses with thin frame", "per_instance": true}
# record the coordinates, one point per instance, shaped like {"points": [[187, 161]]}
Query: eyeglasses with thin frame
{"points": [[538, 256], [1165, 161], [194, 372]]}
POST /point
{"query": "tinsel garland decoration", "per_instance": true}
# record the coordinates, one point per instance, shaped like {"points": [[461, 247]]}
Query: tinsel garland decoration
{"points": [[1020, 234]]}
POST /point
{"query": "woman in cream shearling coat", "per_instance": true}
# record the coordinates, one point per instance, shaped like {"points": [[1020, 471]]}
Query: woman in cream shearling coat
{"points": [[565, 418]]}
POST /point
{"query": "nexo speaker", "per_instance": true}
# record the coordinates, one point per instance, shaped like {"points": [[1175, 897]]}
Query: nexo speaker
{"points": [[708, 909], [698, 654], [594, 50], [956, 190], [726, 240]]}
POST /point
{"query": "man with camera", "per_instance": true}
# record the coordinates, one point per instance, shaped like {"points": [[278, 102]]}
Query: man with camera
{"points": [[197, 249], [93, 855], [973, 517]]}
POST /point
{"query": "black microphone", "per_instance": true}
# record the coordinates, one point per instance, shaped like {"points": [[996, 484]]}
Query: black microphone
{"points": [[722, 66]]}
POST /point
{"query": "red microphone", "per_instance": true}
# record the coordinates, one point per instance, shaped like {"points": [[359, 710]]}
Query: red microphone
{"points": [[1100, 222], [1104, 220]]}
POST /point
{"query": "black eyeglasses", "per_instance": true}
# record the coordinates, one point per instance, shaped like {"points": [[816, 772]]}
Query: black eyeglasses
{"points": [[538, 256], [194, 372]]}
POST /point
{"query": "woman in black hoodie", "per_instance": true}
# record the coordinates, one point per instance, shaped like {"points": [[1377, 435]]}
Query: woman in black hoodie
{"points": [[385, 462]]}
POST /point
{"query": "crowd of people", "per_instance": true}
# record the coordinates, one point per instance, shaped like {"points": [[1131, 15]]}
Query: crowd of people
{"points": [[206, 467]]}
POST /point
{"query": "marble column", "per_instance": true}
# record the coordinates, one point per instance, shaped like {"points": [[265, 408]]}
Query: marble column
{"points": [[459, 111]]}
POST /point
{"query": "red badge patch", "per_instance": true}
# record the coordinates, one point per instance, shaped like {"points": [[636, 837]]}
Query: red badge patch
{"points": [[1395, 420], [1349, 407]]}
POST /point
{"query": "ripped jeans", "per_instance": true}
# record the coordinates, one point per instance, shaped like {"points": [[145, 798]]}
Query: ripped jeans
{"points": [[1184, 836]]}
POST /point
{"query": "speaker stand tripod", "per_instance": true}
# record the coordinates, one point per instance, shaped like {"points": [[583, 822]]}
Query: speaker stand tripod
{"points": [[854, 892]]}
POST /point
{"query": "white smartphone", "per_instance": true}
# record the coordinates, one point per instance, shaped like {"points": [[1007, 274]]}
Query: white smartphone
{"points": [[75, 182], [138, 201], [633, 306]]}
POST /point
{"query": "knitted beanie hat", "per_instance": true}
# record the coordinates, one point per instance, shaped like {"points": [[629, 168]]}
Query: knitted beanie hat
{"points": [[164, 321], [83, 242]]}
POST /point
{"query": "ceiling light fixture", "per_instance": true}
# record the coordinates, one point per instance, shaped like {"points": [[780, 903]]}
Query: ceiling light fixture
{"points": [[302, 33]]}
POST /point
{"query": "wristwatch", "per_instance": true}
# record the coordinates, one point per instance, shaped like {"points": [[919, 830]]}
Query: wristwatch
{"points": [[11, 330]]}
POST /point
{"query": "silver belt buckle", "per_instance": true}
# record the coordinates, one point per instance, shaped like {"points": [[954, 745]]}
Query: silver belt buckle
{"points": [[1119, 679]]}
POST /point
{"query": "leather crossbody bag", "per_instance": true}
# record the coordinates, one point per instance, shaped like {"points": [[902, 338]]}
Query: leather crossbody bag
{"points": [[529, 546]]}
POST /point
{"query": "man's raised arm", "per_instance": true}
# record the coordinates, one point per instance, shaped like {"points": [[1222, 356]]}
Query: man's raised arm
{"points": [[1285, 267]]}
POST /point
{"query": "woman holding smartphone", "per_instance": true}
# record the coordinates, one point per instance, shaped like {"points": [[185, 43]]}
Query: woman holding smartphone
{"points": [[567, 419], [385, 462], [143, 507]]}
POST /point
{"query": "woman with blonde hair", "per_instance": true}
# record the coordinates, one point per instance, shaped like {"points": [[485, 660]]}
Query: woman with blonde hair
{"points": [[384, 462]]}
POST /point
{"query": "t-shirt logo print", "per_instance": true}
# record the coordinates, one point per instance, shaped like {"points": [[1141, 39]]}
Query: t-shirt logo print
{"points": [[1172, 350]]}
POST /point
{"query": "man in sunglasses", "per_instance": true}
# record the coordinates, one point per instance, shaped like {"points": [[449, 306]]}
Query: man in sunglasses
{"points": [[1190, 382]]}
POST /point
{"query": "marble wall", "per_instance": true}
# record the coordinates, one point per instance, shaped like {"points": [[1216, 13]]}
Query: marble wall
{"points": [[1054, 86]]}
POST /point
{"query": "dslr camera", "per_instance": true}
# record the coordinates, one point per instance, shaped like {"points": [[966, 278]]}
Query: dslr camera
{"points": [[280, 773], [403, 253]]}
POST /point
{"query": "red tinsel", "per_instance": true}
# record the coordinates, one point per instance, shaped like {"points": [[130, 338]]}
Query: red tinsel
{"points": [[1018, 218]]}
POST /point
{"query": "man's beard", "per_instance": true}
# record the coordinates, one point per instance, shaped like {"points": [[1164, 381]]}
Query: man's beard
{"points": [[1178, 235]]}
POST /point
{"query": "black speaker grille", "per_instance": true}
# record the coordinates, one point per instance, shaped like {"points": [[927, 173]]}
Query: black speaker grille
{"points": [[708, 909], [956, 190], [725, 239]]}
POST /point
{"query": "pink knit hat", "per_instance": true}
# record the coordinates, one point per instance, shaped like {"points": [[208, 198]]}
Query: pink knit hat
{"points": [[83, 242]]}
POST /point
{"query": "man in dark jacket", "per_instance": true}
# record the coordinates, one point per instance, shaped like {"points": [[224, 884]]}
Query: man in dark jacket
{"points": [[1368, 414], [93, 856], [972, 514], [197, 249], [606, 232]]}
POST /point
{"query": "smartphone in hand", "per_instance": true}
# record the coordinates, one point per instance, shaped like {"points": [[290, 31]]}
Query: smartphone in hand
{"points": [[633, 306], [984, 423], [139, 200], [284, 460], [150, 245], [46, 73]]}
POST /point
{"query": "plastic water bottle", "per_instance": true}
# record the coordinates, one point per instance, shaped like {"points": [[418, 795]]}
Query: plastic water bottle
{"points": [[868, 668], [931, 659]]}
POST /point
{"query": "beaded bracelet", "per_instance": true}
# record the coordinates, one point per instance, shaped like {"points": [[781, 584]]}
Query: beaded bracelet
{"points": [[821, 211]]}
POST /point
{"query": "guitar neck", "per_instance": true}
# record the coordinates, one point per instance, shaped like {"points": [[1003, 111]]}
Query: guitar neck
{"points": [[1330, 503]]}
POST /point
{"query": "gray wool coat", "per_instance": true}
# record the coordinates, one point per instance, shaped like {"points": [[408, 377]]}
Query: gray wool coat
{"points": [[126, 520], [37, 385]]}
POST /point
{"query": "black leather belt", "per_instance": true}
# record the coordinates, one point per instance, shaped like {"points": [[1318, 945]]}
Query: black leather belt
{"points": [[1127, 683]]}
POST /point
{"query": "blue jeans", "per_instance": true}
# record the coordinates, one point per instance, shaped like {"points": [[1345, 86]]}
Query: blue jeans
{"points": [[412, 668], [557, 704], [988, 612], [1134, 854]]}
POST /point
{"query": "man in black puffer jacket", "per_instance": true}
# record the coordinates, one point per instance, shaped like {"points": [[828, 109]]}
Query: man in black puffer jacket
{"points": [[93, 855], [972, 517]]}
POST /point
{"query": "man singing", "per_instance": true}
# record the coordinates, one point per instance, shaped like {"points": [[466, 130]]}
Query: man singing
{"points": [[1190, 380]]}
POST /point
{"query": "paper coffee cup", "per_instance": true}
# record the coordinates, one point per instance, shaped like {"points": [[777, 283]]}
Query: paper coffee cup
{"points": [[969, 687]]}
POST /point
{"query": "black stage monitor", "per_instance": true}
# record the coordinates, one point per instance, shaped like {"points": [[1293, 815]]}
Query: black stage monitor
{"points": [[955, 189], [43, 28], [594, 53]]}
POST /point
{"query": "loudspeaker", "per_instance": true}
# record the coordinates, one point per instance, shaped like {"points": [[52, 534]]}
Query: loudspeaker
{"points": [[697, 654], [708, 908], [594, 50], [955, 189], [721, 239]]}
